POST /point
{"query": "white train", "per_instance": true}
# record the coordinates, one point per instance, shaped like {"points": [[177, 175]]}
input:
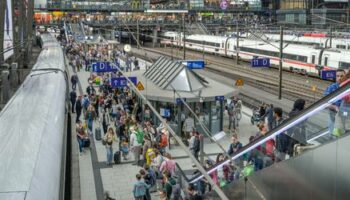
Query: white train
{"points": [[300, 58], [317, 40], [33, 129]]}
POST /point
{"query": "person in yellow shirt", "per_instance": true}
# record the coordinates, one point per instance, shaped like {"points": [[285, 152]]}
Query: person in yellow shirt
{"points": [[150, 154]]}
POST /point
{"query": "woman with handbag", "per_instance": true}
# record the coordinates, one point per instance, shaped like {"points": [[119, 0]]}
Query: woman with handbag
{"points": [[108, 142]]}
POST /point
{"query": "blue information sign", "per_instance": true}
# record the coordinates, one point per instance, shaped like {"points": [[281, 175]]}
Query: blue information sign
{"points": [[330, 74], [105, 67], [219, 98], [260, 62], [178, 100], [194, 64], [165, 112], [121, 82]]}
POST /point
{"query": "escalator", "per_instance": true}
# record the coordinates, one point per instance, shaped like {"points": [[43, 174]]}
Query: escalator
{"points": [[316, 163]]}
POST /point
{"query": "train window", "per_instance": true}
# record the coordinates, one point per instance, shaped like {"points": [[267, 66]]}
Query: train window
{"points": [[344, 65], [302, 58], [313, 58], [340, 46], [325, 61], [348, 47]]}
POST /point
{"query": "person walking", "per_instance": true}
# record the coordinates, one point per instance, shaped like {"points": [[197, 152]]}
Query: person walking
{"points": [[188, 126], [109, 138], [194, 145], [140, 188], [73, 98], [74, 80], [78, 108], [135, 146]]}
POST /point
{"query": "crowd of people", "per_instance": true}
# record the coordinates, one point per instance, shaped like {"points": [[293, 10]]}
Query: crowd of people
{"points": [[124, 121], [127, 124]]}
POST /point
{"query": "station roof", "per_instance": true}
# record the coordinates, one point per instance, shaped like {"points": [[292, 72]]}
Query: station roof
{"points": [[173, 75], [158, 80]]}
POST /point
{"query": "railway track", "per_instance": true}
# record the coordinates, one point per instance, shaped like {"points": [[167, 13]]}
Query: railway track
{"points": [[314, 125], [293, 86]]}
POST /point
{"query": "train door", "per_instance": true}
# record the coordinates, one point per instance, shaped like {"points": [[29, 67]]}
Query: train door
{"points": [[326, 60], [228, 47], [177, 39], [313, 61]]}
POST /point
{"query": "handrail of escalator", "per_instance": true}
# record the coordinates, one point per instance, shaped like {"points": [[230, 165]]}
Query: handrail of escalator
{"points": [[302, 116]]}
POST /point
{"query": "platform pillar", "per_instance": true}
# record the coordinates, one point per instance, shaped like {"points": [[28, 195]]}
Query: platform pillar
{"points": [[155, 37]]}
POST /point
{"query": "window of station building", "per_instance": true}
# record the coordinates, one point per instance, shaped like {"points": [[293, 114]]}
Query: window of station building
{"points": [[344, 65], [292, 4]]}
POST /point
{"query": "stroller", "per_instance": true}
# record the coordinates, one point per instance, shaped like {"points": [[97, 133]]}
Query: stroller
{"points": [[256, 118]]}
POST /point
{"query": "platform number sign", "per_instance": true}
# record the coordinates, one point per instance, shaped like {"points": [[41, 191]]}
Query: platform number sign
{"points": [[260, 62], [329, 74]]}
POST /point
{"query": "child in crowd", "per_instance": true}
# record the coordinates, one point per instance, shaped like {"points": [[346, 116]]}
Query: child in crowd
{"points": [[124, 148]]}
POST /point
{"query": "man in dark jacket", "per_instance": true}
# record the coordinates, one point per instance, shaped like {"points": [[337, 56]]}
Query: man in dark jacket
{"points": [[78, 108], [297, 132], [269, 115], [282, 140], [73, 98], [74, 81]]}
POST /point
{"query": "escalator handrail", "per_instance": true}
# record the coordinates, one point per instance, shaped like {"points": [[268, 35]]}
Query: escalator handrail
{"points": [[290, 122]]}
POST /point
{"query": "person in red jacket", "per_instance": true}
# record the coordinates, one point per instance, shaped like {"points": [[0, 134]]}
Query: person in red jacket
{"points": [[267, 148]]}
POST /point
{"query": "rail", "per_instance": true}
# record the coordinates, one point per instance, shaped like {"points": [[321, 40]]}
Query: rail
{"points": [[288, 125]]}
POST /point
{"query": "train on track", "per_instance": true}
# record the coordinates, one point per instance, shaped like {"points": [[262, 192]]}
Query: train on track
{"points": [[315, 40], [34, 128], [296, 57]]}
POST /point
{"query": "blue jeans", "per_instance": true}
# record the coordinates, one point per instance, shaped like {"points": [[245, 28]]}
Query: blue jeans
{"points": [[331, 121], [109, 150], [81, 144]]}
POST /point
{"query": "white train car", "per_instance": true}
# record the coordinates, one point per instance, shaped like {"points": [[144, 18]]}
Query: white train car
{"points": [[337, 43], [33, 130], [300, 58]]}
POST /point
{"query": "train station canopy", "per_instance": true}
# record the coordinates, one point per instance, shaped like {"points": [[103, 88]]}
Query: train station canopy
{"points": [[165, 76], [173, 75]]}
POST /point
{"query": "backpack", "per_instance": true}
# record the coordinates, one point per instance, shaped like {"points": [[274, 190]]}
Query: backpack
{"points": [[139, 137], [163, 140], [86, 103]]}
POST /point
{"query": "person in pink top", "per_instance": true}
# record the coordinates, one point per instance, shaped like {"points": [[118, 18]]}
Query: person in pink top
{"points": [[168, 164]]}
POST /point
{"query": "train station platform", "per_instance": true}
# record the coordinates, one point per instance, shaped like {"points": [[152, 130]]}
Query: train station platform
{"points": [[95, 176]]}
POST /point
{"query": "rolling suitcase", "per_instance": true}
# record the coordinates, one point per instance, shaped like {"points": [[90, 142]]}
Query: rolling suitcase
{"points": [[98, 136], [117, 159], [86, 143]]}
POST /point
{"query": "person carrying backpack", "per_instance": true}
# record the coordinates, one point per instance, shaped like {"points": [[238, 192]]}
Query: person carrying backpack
{"points": [[140, 188], [135, 146]]}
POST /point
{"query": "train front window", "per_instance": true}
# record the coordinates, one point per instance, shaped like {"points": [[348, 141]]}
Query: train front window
{"points": [[325, 61], [344, 65]]}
